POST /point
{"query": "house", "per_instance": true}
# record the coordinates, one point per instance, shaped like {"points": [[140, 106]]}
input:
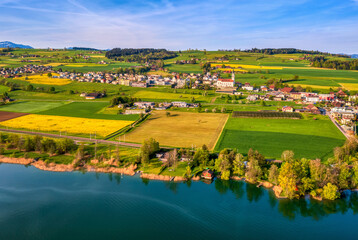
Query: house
{"points": [[287, 109], [272, 87], [264, 88], [312, 109], [207, 174], [341, 94], [248, 87], [286, 90], [312, 99], [180, 104], [253, 97], [225, 83], [135, 111], [144, 104], [139, 84], [296, 95], [93, 96], [163, 157]]}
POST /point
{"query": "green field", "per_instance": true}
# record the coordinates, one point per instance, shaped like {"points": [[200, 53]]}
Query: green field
{"points": [[87, 110], [307, 138], [30, 106], [149, 95]]}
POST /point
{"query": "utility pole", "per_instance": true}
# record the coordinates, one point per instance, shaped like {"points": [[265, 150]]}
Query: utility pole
{"points": [[95, 148]]}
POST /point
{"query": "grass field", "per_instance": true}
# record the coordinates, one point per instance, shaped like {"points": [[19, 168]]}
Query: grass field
{"points": [[307, 138], [30, 106], [181, 129], [90, 110], [73, 125], [44, 79], [144, 94]]}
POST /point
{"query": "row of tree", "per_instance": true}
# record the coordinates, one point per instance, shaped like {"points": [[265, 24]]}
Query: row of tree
{"points": [[322, 62], [296, 177]]}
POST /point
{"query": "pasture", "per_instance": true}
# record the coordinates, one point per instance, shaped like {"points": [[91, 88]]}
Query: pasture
{"points": [[70, 125], [181, 129], [30, 106], [146, 94], [307, 138], [90, 110]]}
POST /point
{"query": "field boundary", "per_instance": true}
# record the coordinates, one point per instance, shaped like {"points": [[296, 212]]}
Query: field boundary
{"points": [[221, 132]]}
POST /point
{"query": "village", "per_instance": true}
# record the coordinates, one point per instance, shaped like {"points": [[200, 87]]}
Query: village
{"points": [[340, 106]]}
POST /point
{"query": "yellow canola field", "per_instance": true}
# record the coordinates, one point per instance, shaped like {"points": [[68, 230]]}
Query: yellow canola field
{"points": [[85, 65], [47, 123], [54, 64], [245, 66], [44, 79], [235, 69], [350, 86]]}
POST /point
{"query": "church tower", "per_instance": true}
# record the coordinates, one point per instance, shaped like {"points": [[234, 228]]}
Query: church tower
{"points": [[233, 76]]}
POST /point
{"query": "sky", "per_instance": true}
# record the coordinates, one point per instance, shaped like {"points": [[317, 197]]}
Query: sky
{"points": [[325, 25]]}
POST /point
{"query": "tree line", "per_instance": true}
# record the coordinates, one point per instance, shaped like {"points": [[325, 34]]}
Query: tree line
{"points": [[322, 62], [272, 51], [120, 54], [295, 177]]}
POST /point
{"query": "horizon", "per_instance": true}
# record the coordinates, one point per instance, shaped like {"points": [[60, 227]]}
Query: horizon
{"points": [[211, 25]]}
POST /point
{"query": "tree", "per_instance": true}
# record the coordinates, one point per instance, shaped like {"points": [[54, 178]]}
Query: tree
{"points": [[224, 163], [273, 174], [355, 174], [288, 180], [148, 148], [49, 74], [287, 156], [254, 171], [239, 165], [80, 153], [330, 192], [344, 176], [223, 110], [167, 114]]}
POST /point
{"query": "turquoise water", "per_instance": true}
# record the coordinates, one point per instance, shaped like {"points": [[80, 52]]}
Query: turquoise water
{"points": [[44, 205]]}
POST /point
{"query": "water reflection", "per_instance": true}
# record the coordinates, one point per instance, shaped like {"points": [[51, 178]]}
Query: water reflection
{"points": [[290, 209]]}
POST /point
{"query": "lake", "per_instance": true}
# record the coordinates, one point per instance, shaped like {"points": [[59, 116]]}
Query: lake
{"points": [[39, 205]]}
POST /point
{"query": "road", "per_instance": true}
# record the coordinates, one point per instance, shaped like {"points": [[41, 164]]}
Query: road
{"points": [[133, 145], [338, 126]]}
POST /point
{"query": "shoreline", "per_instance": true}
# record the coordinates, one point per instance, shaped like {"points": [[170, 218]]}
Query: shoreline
{"points": [[131, 171]]}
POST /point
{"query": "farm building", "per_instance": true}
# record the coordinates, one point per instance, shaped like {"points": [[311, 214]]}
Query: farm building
{"points": [[207, 174]]}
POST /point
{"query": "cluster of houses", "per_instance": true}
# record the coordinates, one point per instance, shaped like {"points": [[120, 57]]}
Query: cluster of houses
{"points": [[288, 94], [26, 69], [144, 107], [143, 81]]}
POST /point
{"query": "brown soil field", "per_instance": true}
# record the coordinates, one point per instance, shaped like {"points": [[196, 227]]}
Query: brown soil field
{"points": [[4, 116]]}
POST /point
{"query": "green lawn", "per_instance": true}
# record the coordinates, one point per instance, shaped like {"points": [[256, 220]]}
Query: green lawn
{"points": [[87, 110], [307, 138], [30, 106], [185, 97]]}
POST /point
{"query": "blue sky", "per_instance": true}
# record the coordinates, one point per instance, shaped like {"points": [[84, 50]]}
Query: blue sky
{"points": [[326, 25]]}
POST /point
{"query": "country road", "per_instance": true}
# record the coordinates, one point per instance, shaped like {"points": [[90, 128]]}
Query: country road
{"points": [[339, 126], [133, 145]]}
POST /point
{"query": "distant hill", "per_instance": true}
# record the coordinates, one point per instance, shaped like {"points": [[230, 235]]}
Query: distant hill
{"points": [[354, 55], [83, 48], [8, 44]]}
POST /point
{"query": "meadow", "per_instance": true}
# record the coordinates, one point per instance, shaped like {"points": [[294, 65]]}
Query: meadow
{"points": [[70, 125], [308, 138], [90, 110], [180, 129], [145, 94], [30, 106]]}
